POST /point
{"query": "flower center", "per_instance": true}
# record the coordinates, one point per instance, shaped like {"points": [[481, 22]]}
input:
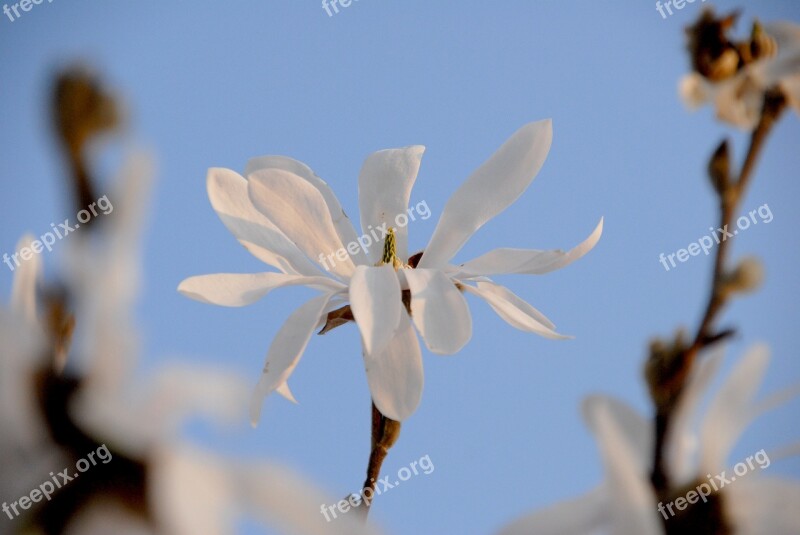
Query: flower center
{"points": [[390, 251]]}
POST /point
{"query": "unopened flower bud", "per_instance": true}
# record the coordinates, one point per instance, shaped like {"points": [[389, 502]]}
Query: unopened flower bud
{"points": [[747, 276]]}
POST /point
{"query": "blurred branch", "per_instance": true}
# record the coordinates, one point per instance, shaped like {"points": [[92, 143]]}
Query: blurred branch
{"points": [[81, 110], [669, 365]]}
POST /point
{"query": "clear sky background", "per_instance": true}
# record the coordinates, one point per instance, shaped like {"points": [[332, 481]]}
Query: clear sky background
{"points": [[213, 83]]}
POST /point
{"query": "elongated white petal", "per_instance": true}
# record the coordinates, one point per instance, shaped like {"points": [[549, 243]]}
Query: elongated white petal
{"points": [[637, 431], [286, 349], [489, 190], [632, 502], [515, 311], [241, 289], [439, 311], [682, 439], [227, 191], [395, 374], [730, 410], [529, 261], [384, 187], [299, 210], [375, 300], [344, 227], [579, 516], [23, 291], [138, 420]]}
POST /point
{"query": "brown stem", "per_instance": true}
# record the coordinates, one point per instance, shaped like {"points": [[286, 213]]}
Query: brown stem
{"points": [[730, 198], [385, 433]]}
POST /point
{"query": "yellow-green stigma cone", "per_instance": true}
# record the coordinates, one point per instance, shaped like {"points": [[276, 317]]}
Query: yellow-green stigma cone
{"points": [[390, 251]]}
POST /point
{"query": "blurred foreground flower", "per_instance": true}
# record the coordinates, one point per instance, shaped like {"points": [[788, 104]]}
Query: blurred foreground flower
{"points": [[285, 215], [627, 504], [735, 77], [150, 480]]}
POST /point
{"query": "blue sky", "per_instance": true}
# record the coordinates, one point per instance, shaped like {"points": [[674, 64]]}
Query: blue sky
{"points": [[211, 84]]}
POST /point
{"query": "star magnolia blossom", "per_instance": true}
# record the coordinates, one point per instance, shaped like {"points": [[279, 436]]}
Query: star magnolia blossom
{"points": [[285, 215], [738, 99], [626, 503]]}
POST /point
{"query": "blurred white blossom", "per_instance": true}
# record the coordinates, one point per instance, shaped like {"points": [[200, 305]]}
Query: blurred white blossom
{"points": [[626, 504], [186, 491], [739, 96]]}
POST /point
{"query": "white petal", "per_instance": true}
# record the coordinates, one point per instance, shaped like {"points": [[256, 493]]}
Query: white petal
{"points": [[791, 88], [102, 517], [489, 190], [776, 399], [730, 410], [739, 101], [632, 501], [140, 418], [694, 91], [637, 431], [681, 439], [192, 493], [23, 290], [286, 349], [299, 210], [179, 391], [529, 261], [227, 191], [439, 310], [384, 187], [579, 516], [283, 500], [395, 375], [340, 220], [376, 302], [240, 289], [286, 392], [515, 311], [786, 34], [764, 505]]}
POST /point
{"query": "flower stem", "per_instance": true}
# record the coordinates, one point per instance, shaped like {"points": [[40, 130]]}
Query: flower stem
{"points": [[385, 433]]}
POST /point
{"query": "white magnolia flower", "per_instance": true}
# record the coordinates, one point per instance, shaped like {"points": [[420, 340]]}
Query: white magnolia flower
{"points": [[25, 444], [187, 491], [626, 504], [286, 216], [739, 98]]}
